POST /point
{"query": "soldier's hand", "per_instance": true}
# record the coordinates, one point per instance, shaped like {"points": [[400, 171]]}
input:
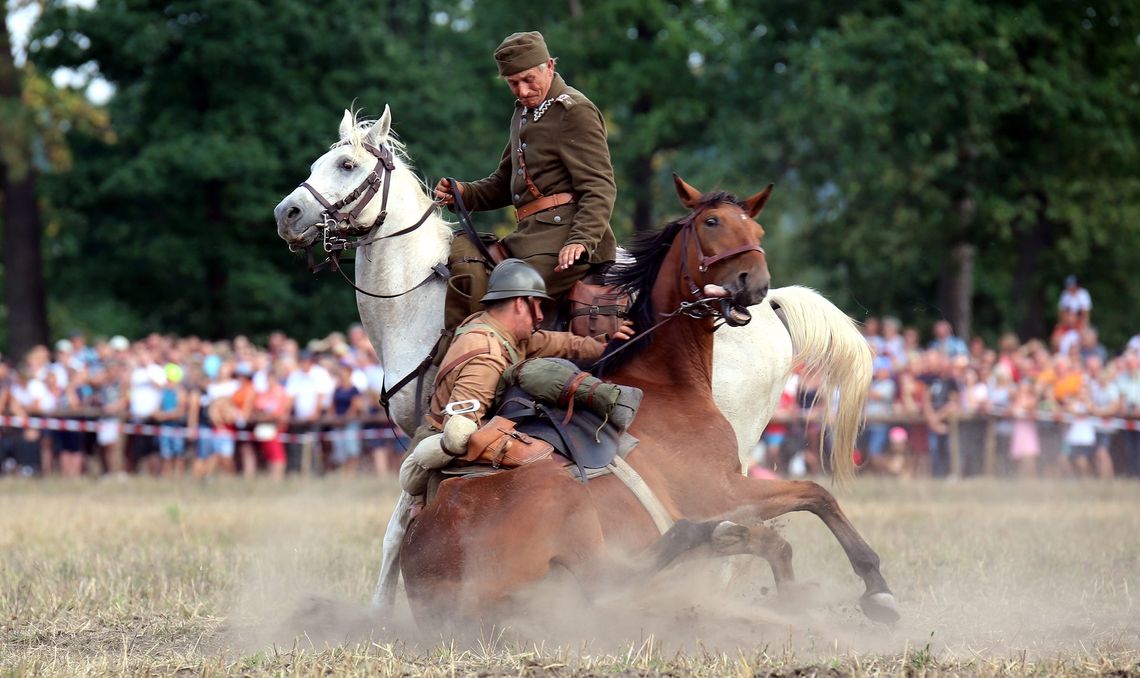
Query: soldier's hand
{"points": [[443, 192], [568, 255], [624, 332]]}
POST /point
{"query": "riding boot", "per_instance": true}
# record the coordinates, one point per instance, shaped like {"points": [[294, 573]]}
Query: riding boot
{"points": [[384, 599], [466, 287]]}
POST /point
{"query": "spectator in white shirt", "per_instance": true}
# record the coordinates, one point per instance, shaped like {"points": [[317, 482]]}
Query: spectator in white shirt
{"points": [[1075, 299]]}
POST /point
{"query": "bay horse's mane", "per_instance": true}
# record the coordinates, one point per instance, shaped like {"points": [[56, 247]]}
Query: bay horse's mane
{"points": [[637, 275]]}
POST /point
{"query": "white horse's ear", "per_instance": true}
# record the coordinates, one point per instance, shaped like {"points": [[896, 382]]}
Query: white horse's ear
{"points": [[378, 133], [346, 124]]}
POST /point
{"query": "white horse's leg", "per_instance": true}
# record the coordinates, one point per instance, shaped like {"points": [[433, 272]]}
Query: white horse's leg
{"points": [[751, 364], [384, 599]]}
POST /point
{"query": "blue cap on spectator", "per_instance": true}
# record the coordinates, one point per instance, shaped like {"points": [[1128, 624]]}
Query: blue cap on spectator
{"points": [[211, 365], [244, 370], [882, 362], [305, 354], [1070, 280]]}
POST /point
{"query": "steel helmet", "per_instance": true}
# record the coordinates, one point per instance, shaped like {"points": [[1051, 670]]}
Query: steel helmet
{"points": [[514, 278]]}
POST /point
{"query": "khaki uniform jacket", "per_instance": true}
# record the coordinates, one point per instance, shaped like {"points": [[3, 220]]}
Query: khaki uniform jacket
{"points": [[565, 152], [477, 378]]}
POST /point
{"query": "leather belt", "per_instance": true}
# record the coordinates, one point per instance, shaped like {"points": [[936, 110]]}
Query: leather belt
{"points": [[542, 204]]}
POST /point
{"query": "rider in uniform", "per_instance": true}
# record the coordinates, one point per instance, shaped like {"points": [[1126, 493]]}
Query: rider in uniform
{"points": [[485, 345], [555, 171]]}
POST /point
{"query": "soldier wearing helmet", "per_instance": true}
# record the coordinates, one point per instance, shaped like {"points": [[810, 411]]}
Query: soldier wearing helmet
{"points": [[485, 345], [504, 333]]}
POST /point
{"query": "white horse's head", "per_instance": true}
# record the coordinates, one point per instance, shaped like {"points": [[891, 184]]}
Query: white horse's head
{"points": [[335, 175]]}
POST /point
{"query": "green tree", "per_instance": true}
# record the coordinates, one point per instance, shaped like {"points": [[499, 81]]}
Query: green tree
{"points": [[967, 152], [24, 292]]}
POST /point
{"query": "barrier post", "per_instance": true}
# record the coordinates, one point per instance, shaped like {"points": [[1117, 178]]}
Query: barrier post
{"points": [[955, 448], [307, 455], [989, 461]]}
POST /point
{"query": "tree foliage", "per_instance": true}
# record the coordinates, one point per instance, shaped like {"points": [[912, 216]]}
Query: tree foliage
{"points": [[909, 142]]}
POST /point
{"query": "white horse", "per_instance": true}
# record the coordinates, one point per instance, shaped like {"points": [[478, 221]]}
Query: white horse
{"points": [[750, 364]]}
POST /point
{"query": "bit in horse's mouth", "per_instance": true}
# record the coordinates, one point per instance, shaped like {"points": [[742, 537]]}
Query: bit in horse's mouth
{"points": [[736, 315], [307, 237]]}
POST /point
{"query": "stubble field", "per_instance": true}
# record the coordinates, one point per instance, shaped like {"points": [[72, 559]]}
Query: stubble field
{"points": [[142, 576]]}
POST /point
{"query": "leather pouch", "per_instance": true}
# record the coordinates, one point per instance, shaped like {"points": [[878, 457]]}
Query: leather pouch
{"points": [[596, 309], [498, 443]]}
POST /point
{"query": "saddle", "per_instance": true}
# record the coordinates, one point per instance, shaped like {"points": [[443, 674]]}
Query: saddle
{"points": [[588, 309]]}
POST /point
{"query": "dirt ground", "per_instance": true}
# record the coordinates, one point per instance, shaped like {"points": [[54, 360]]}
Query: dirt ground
{"points": [[163, 577]]}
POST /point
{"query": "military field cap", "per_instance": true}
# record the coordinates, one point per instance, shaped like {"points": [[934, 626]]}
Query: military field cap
{"points": [[520, 51]]}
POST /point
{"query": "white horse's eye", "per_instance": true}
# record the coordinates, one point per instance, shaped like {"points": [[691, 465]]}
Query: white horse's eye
{"points": [[348, 165]]}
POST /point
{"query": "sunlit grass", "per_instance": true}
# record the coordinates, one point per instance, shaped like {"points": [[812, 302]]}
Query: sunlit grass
{"points": [[162, 577]]}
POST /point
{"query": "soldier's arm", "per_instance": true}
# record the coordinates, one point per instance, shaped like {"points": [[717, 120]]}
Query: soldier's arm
{"points": [[545, 344], [478, 380], [492, 192], [586, 155]]}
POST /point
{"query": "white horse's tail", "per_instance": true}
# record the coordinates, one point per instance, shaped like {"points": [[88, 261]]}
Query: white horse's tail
{"points": [[830, 345]]}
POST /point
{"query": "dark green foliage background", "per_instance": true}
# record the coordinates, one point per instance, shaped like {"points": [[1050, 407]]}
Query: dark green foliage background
{"points": [[895, 132]]}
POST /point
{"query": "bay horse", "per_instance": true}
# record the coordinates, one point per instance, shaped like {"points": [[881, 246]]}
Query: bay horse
{"points": [[481, 540], [400, 297]]}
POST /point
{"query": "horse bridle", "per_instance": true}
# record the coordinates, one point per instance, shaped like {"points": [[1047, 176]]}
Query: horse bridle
{"points": [[336, 225], [702, 306]]}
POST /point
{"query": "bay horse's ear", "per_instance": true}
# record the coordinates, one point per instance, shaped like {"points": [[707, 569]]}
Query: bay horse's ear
{"points": [[346, 124], [689, 196], [378, 133], [755, 204]]}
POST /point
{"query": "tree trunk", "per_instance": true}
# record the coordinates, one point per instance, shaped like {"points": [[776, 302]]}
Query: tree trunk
{"points": [[958, 289], [1027, 304], [22, 226], [217, 270]]}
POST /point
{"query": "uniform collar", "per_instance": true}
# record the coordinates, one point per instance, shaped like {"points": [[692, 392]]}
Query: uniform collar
{"points": [[557, 87]]}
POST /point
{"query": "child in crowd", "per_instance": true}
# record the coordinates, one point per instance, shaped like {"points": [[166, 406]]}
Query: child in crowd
{"points": [[1025, 447]]}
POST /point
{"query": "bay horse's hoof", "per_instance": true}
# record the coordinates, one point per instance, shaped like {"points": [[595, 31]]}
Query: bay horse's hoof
{"points": [[729, 537], [880, 607]]}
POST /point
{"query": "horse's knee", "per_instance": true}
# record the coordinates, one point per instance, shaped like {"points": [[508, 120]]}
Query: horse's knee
{"points": [[818, 499]]}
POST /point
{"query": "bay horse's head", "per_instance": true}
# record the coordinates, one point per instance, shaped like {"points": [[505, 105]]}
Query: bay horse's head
{"points": [[723, 257], [339, 193]]}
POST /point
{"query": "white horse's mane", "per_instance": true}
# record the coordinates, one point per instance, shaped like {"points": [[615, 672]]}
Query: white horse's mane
{"points": [[359, 131]]}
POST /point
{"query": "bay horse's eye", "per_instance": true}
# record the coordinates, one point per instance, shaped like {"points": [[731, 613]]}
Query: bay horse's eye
{"points": [[347, 165], [712, 221]]}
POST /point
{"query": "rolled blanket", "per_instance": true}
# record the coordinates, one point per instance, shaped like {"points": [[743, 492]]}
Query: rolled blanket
{"points": [[557, 381]]}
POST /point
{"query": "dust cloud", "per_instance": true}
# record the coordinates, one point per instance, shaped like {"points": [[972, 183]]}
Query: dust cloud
{"points": [[978, 570]]}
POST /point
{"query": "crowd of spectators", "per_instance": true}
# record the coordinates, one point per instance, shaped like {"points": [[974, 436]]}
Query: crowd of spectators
{"points": [[1052, 408], [1062, 407], [224, 406]]}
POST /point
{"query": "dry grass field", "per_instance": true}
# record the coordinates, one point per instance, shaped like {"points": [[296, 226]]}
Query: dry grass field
{"points": [[141, 576]]}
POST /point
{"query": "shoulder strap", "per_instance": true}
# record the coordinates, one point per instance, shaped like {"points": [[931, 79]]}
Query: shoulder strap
{"points": [[446, 369], [482, 328]]}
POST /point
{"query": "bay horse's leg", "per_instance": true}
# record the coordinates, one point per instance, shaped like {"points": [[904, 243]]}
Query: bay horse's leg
{"points": [[767, 499], [723, 536]]}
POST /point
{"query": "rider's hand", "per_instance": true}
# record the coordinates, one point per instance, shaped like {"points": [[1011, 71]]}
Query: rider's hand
{"points": [[443, 192], [568, 255], [624, 332]]}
